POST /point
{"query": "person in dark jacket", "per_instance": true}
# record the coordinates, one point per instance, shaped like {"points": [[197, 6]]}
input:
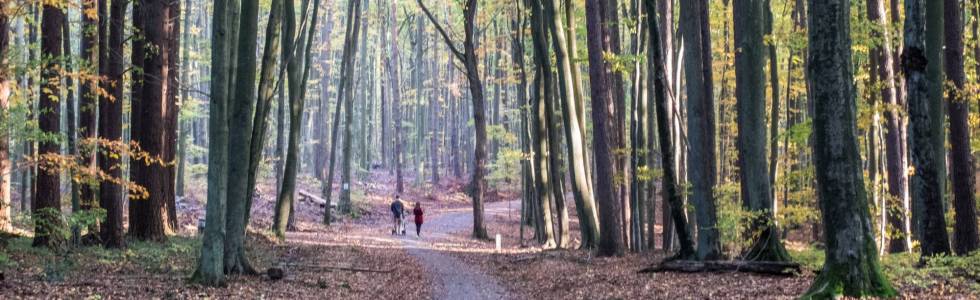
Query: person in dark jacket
{"points": [[418, 212], [397, 211]]}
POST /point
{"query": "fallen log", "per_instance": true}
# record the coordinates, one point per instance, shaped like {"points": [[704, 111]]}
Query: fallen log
{"points": [[339, 268], [307, 196], [759, 267]]}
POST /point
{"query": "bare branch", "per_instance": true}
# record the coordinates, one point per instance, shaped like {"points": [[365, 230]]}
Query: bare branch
{"points": [[449, 42]]}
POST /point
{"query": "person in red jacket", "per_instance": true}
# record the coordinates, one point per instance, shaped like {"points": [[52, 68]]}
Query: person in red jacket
{"points": [[418, 212]]}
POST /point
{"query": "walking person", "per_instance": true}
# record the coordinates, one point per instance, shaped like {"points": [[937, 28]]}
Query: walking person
{"points": [[397, 211], [418, 212]]}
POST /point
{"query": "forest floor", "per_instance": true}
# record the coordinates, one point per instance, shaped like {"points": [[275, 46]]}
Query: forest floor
{"points": [[357, 257]]}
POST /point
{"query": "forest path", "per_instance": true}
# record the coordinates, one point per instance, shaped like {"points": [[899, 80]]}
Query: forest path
{"points": [[454, 278]]}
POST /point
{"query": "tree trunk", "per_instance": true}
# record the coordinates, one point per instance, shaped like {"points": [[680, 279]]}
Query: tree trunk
{"points": [[964, 203], [574, 127], [756, 192], [899, 238], [149, 217], [210, 268], [851, 267], [5, 86], [344, 93], [90, 51], [298, 68], [601, 81], [671, 192], [110, 130], [478, 184], [923, 73], [700, 125], [46, 208], [543, 93]]}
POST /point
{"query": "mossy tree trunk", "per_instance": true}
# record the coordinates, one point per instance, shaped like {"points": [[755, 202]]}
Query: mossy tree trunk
{"points": [[851, 267]]}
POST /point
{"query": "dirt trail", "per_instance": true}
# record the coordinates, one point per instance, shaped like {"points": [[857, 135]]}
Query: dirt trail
{"points": [[454, 278]]}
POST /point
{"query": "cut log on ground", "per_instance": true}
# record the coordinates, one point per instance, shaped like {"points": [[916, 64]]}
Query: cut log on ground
{"points": [[307, 196], [760, 267], [339, 268]]}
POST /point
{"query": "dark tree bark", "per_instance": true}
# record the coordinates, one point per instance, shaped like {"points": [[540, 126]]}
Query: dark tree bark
{"points": [[610, 209], [5, 85], [87, 108], [150, 217], [671, 192], [346, 99], [923, 74], [750, 88], [46, 208], [110, 129], [964, 203], [851, 266]]}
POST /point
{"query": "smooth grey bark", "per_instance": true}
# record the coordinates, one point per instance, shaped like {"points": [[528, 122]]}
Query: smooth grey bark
{"points": [[351, 40], [540, 122], [210, 269], [344, 93], [750, 87], [921, 62], [851, 267], [700, 126], [574, 128]]}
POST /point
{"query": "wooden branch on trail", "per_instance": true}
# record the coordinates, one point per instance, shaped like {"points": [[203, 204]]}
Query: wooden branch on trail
{"points": [[760, 267], [349, 269], [307, 196]]}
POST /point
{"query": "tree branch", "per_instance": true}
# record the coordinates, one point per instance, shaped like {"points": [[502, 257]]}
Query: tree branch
{"points": [[449, 42]]}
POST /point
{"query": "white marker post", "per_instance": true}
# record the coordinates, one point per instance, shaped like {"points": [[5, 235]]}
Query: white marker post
{"points": [[498, 242]]}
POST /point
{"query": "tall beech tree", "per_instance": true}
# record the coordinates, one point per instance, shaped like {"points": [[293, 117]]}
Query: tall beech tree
{"points": [[468, 57], [297, 70], [895, 154], [344, 92], [851, 265], [574, 126], [923, 75], [210, 265], [541, 120], [700, 124], [46, 208], [750, 88], [611, 240], [659, 87], [964, 201]]}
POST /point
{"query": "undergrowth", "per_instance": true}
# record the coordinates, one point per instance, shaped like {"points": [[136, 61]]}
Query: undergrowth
{"points": [[905, 269]]}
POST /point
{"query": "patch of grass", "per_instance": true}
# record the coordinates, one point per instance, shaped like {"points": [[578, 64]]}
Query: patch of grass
{"points": [[810, 258], [906, 269]]}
